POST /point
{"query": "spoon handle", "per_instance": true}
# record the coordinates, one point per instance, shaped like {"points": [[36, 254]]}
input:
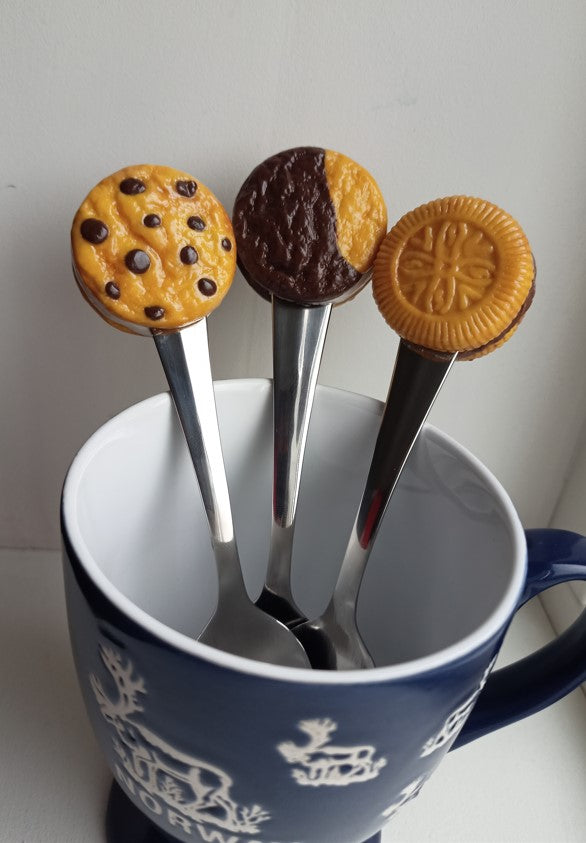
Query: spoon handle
{"points": [[298, 339], [414, 387], [186, 362]]}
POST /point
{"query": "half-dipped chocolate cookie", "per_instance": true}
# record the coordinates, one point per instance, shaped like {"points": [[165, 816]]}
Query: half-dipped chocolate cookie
{"points": [[308, 223], [454, 276], [139, 258]]}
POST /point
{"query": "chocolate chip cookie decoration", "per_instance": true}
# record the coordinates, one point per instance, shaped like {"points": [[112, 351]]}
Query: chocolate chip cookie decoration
{"points": [[186, 188], [308, 223], [207, 287], [132, 186], [137, 261], [455, 276], [188, 255], [152, 220], [154, 312], [94, 231], [132, 255]]}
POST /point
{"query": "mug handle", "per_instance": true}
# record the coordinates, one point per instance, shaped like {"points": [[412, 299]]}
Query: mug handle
{"points": [[528, 685]]}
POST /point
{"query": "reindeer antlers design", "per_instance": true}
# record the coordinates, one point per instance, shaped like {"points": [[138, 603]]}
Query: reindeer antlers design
{"points": [[128, 688]]}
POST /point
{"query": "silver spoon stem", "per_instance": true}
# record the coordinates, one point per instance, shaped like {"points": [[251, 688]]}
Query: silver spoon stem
{"points": [[414, 387], [237, 625], [333, 641], [298, 339], [185, 358]]}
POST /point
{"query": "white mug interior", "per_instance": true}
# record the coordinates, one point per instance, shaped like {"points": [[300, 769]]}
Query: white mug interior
{"points": [[445, 573]]}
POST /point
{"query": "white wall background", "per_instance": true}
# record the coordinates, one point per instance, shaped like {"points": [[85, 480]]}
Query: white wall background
{"points": [[433, 98]]}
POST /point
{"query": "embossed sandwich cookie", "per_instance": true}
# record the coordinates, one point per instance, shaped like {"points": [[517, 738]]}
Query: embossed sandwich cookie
{"points": [[308, 223], [455, 276], [152, 249]]}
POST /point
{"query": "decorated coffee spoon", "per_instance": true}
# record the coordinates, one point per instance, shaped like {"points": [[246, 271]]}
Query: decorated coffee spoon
{"points": [[454, 278], [308, 223], [153, 253]]}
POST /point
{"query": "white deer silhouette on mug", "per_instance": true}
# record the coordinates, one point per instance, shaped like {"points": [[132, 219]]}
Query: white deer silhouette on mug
{"points": [[189, 786], [322, 763]]}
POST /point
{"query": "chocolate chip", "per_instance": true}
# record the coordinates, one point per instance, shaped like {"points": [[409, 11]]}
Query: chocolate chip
{"points": [[196, 223], [226, 244], [152, 220], [188, 255], [186, 188], [112, 290], [137, 261], [207, 287], [154, 311], [94, 231], [132, 186]]}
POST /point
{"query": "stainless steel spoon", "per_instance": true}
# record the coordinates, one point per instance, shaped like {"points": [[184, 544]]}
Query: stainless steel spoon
{"points": [[298, 339], [237, 625], [332, 641], [299, 334]]}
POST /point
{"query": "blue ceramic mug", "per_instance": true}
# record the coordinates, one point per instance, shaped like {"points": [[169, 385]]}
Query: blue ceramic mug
{"points": [[207, 746]]}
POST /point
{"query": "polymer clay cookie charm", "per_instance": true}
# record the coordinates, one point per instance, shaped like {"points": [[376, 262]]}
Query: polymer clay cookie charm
{"points": [[308, 223], [454, 276], [152, 249], [154, 254]]}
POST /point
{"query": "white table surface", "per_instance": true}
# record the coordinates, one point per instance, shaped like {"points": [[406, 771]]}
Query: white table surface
{"points": [[524, 783]]}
